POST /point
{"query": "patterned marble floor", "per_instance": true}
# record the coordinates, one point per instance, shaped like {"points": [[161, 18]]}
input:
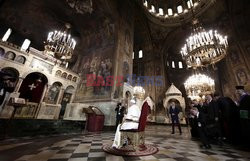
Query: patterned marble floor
{"points": [[88, 147]]}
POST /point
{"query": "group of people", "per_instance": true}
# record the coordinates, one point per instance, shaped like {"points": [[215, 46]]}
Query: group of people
{"points": [[219, 119]]}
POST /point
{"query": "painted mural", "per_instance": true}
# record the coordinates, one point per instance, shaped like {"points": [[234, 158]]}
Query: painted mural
{"points": [[235, 57], [96, 61], [242, 77], [98, 66]]}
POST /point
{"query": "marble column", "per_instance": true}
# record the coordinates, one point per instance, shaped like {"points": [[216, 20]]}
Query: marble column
{"points": [[45, 93], [19, 83], [72, 96], [60, 96]]}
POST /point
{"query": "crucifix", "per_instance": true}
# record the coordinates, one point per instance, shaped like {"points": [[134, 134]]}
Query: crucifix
{"points": [[32, 86]]}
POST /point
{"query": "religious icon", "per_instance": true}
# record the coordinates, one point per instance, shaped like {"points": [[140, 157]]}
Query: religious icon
{"points": [[69, 77], [58, 73], [20, 59], [74, 79], [126, 71], [53, 93], [64, 75], [127, 41], [242, 76], [10, 55], [235, 57]]}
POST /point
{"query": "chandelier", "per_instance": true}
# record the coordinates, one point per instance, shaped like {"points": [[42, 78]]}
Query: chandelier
{"points": [[60, 44], [203, 47], [199, 85], [174, 12]]}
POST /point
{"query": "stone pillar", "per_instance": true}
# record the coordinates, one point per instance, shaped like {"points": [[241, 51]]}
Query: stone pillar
{"points": [[19, 83], [60, 96], [125, 43], [72, 96], [45, 93]]}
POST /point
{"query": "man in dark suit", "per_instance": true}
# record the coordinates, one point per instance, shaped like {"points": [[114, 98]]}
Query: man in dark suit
{"points": [[174, 111], [229, 118], [119, 113], [244, 110], [244, 101], [212, 112], [201, 126]]}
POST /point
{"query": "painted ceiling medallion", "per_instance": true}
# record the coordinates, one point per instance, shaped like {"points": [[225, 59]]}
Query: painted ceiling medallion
{"points": [[81, 6]]}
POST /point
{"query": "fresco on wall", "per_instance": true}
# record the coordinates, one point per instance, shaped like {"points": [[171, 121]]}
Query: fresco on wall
{"points": [[100, 34], [235, 58], [125, 71], [96, 59], [128, 42], [242, 76], [100, 67]]}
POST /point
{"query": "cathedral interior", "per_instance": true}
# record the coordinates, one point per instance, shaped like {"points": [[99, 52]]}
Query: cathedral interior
{"points": [[71, 70]]}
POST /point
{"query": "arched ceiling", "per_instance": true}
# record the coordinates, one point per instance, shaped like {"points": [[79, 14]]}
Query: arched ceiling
{"points": [[34, 18], [213, 18]]}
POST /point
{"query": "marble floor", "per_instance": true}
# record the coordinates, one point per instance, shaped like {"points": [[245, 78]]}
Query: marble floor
{"points": [[88, 147]]}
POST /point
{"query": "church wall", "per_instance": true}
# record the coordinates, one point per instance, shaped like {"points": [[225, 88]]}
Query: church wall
{"points": [[118, 52], [151, 65], [35, 62], [124, 50], [236, 67]]}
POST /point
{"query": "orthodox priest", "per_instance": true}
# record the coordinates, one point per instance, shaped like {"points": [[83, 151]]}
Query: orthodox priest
{"points": [[244, 109]]}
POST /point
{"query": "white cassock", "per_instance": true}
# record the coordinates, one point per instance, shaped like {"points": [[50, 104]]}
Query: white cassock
{"points": [[131, 122]]}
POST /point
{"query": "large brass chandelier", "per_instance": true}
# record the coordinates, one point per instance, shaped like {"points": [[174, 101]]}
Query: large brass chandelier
{"points": [[203, 48], [199, 85], [60, 44]]}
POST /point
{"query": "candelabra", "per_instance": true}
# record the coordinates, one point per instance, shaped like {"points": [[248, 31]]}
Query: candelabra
{"points": [[60, 44], [203, 47], [199, 85]]}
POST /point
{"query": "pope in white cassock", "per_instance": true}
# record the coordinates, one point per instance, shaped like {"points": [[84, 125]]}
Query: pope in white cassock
{"points": [[131, 120]]}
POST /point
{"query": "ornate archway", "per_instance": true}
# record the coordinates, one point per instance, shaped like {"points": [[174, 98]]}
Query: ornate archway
{"points": [[33, 86]]}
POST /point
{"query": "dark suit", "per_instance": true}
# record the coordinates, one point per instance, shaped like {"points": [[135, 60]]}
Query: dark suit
{"points": [[229, 118], [201, 126], [244, 107], [119, 114], [174, 111], [212, 112], [245, 102]]}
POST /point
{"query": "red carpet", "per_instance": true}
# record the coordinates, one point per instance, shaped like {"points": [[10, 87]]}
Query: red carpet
{"points": [[148, 150]]}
